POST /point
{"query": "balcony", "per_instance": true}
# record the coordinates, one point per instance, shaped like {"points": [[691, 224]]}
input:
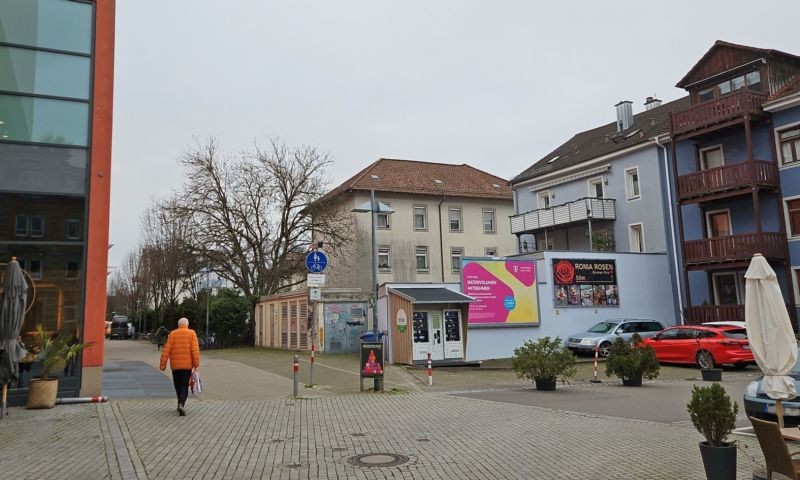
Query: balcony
{"points": [[728, 177], [578, 211], [734, 248], [718, 110]]}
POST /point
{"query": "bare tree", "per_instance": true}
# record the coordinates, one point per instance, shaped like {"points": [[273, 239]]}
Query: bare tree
{"points": [[250, 217], [128, 288]]}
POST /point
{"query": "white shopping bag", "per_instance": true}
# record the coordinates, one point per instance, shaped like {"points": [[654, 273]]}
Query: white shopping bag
{"points": [[195, 384]]}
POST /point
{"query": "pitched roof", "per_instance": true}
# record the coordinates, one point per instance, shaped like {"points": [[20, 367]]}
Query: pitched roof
{"points": [[792, 87], [415, 177], [747, 54], [603, 140]]}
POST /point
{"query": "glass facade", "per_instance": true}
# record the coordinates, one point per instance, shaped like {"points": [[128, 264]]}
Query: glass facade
{"points": [[45, 120]]}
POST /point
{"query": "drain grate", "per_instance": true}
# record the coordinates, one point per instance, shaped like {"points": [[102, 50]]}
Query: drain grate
{"points": [[377, 460]]}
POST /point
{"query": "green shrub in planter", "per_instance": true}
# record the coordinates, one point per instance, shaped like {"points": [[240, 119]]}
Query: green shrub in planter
{"points": [[712, 413], [631, 363], [544, 360]]}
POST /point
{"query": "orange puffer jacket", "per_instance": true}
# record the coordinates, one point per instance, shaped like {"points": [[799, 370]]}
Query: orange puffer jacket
{"points": [[181, 349]]}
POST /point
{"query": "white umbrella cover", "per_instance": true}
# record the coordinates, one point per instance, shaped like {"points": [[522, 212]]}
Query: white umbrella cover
{"points": [[769, 330]]}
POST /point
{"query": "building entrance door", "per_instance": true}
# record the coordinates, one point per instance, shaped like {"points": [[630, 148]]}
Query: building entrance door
{"points": [[428, 336], [453, 346]]}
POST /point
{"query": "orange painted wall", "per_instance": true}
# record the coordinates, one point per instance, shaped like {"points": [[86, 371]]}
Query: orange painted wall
{"points": [[99, 184]]}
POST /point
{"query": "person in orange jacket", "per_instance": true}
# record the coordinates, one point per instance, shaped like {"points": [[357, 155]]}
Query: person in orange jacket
{"points": [[183, 352]]}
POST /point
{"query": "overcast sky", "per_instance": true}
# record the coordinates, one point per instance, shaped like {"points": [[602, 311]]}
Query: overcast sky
{"points": [[494, 84]]}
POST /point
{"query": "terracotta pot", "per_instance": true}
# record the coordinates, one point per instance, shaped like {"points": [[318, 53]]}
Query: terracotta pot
{"points": [[42, 393]]}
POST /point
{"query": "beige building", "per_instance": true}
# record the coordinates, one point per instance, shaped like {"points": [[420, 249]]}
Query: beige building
{"points": [[442, 213]]}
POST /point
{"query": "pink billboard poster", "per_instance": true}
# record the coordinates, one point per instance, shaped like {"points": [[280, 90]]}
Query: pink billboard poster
{"points": [[504, 291]]}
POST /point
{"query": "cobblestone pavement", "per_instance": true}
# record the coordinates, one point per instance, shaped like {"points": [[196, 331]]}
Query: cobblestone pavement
{"points": [[444, 437]]}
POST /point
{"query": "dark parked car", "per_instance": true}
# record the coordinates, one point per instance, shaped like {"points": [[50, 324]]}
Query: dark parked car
{"points": [[757, 404], [119, 328]]}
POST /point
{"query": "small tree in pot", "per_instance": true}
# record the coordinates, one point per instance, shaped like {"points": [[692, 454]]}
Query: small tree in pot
{"points": [[714, 415], [631, 363], [55, 353], [544, 361]]}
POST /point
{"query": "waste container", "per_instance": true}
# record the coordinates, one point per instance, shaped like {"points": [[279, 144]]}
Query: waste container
{"points": [[369, 336]]}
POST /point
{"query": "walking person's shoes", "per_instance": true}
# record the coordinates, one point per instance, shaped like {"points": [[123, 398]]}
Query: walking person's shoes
{"points": [[181, 411]]}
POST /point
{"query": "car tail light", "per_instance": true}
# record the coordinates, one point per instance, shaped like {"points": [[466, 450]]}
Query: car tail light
{"points": [[729, 342]]}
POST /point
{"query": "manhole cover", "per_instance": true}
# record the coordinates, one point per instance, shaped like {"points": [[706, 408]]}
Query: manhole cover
{"points": [[377, 460]]}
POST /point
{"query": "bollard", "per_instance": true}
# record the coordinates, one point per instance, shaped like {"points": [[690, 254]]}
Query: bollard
{"points": [[596, 352], [311, 368], [430, 371], [296, 366]]}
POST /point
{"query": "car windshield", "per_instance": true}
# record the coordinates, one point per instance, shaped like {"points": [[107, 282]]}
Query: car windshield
{"points": [[603, 327], [738, 333]]}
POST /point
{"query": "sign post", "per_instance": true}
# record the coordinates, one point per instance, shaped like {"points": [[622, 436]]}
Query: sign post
{"points": [[316, 262], [372, 363]]}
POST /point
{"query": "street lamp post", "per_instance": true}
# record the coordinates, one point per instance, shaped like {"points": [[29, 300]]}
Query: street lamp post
{"points": [[374, 208], [208, 298]]}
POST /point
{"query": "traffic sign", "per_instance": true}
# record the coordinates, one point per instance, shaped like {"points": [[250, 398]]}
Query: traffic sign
{"points": [[314, 294], [315, 280], [316, 261]]}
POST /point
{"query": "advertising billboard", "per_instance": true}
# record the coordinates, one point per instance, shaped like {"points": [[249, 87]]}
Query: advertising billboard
{"points": [[585, 283], [504, 291]]}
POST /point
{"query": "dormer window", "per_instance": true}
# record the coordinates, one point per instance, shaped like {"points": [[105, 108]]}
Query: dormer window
{"points": [[754, 80], [751, 80], [706, 94]]}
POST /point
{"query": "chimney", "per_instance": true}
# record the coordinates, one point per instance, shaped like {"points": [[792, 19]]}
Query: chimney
{"points": [[624, 115], [651, 103]]}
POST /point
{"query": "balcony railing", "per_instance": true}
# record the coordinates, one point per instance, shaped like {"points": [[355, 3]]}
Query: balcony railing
{"points": [[729, 177], [734, 247], [717, 110], [580, 210], [714, 313]]}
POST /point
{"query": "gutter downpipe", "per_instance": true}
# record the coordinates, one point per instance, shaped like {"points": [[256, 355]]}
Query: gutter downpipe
{"points": [[672, 229]]}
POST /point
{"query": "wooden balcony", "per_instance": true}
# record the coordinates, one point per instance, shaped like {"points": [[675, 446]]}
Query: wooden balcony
{"points": [[578, 211], [740, 103], [727, 178], [732, 248], [714, 313]]}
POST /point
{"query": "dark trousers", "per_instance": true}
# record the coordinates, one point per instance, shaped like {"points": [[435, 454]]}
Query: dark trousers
{"points": [[180, 378]]}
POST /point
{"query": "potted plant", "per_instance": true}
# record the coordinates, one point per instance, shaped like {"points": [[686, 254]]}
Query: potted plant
{"points": [[55, 353], [633, 362], [544, 361], [714, 416]]}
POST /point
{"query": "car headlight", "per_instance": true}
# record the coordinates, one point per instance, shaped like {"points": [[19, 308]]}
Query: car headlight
{"points": [[588, 341], [752, 389]]}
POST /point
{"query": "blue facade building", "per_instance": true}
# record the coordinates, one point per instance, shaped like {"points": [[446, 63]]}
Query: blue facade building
{"points": [[728, 180]]}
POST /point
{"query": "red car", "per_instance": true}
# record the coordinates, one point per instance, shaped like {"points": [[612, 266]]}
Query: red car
{"points": [[706, 347]]}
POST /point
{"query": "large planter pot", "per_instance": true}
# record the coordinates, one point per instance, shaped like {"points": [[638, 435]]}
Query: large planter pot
{"points": [[545, 384], [42, 393], [711, 374], [634, 381], [719, 462]]}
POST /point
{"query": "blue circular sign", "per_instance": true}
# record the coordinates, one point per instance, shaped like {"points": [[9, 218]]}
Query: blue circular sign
{"points": [[510, 303], [316, 261]]}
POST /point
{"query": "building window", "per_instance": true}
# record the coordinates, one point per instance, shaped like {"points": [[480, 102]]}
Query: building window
{"points": [[544, 199], [22, 226], [796, 285], [632, 183], [488, 220], [420, 218], [490, 251], [422, 259], [455, 258], [455, 219], [789, 145], [793, 212], [384, 263], [636, 235], [706, 94], [33, 267], [711, 157], [45, 120], [754, 80], [37, 226], [73, 229], [382, 218], [73, 269], [596, 187]]}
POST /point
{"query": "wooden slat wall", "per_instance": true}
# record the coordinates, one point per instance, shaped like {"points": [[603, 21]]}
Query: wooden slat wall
{"points": [[401, 342]]}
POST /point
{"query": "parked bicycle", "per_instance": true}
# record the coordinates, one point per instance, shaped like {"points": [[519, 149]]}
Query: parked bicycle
{"points": [[208, 341]]}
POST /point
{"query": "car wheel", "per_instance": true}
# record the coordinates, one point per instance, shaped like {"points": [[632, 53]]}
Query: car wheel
{"points": [[605, 349], [705, 359]]}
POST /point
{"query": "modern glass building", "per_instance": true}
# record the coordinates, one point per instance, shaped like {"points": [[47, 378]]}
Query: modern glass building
{"points": [[56, 90]]}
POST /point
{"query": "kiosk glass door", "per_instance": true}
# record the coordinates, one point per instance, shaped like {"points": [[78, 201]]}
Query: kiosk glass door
{"points": [[428, 336], [453, 346]]}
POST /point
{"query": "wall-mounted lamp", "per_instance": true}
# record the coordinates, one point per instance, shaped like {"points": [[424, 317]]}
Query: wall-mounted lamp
{"points": [[605, 180]]}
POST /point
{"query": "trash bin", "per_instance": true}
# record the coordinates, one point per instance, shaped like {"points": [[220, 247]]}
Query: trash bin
{"points": [[369, 336]]}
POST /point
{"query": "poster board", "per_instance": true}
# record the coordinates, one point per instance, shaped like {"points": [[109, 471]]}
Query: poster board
{"points": [[585, 283], [505, 292]]}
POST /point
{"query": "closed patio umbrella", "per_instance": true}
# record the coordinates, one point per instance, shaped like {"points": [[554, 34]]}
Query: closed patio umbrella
{"points": [[12, 311], [770, 332]]}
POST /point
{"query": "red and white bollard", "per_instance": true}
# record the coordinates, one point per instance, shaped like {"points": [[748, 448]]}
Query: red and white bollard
{"points": [[430, 371], [67, 401], [596, 354], [296, 367], [311, 367]]}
